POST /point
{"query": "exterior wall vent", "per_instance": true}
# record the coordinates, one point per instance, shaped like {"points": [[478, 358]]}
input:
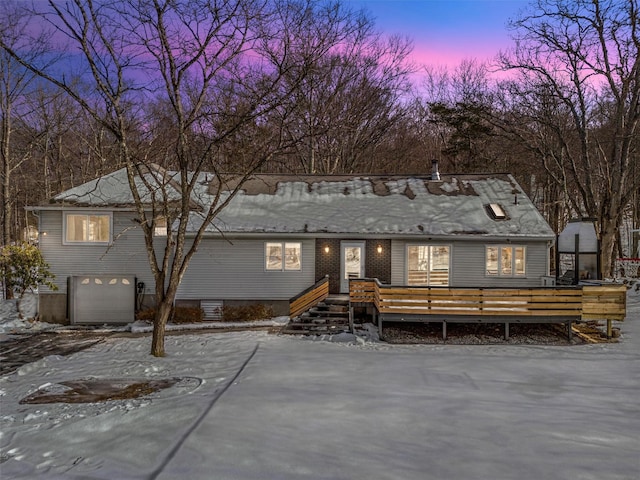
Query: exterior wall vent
{"points": [[212, 309]]}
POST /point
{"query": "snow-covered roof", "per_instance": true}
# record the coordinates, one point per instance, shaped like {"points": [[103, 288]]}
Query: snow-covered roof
{"points": [[383, 205], [113, 190]]}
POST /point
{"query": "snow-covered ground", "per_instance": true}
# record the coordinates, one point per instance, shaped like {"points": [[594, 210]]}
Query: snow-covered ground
{"points": [[252, 405]]}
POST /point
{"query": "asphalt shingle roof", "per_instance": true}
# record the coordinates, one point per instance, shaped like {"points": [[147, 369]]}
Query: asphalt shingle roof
{"points": [[354, 204]]}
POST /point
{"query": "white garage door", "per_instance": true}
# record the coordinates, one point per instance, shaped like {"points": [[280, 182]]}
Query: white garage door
{"points": [[98, 299]]}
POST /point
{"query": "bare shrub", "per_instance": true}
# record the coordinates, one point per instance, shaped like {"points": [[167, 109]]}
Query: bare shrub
{"points": [[242, 313]]}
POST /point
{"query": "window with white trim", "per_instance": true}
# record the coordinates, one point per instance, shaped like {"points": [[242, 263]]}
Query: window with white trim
{"points": [[89, 228], [283, 256], [160, 227], [428, 264], [506, 260]]}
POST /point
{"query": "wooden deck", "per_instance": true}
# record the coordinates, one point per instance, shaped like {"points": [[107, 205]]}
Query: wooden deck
{"points": [[490, 305]]}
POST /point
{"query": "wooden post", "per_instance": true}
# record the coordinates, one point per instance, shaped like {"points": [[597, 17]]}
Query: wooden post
{"points": [[380, 326], [506, 330], [569, 331], [444, 330], [609, 329]]}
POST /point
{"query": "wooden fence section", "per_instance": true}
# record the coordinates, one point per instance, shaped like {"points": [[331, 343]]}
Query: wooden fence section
{"points": [[362, 291], [309, 298], [607, 302], [479, 302], [436, 277], [499, 305]]}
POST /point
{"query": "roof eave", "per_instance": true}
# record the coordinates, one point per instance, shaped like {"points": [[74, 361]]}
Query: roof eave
{"points": [[383, 236]]}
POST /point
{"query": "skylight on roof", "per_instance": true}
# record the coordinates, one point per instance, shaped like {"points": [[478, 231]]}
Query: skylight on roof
{"points": [[496, 211]]}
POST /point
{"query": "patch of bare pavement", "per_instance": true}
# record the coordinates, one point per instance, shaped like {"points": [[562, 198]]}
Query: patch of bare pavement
{"points": [[20, 349]]}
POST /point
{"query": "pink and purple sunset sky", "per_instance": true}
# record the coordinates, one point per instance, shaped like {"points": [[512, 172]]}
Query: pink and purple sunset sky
{"points": [[445, 32]]}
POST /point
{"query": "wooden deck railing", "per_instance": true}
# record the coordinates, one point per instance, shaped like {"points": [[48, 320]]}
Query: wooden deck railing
{"points": [[436, 277], [309, 298], [479, 302], [362, 290], [500, 305], [608, 302]]}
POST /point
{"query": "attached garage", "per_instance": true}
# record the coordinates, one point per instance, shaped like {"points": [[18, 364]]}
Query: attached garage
{"points": [[98, 299]]}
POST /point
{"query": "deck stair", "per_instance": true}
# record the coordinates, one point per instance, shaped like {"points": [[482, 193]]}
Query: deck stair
{"points": [[328, 317]]}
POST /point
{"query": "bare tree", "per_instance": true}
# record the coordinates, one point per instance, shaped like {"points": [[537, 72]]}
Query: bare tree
{"points": [[215, 69], [578, 90], [63, 153], [456, 107], [349, 100], [15, 81]]}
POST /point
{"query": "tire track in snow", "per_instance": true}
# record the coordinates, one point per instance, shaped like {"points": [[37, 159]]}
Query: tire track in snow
{"points": [[172, 453]]}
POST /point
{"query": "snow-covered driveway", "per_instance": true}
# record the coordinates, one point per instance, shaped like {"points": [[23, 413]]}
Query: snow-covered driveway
{"points": [[316, 410], [325, 412]]}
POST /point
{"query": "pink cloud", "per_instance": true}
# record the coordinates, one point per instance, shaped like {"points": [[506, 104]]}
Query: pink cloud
{"points": [[451, 55]]}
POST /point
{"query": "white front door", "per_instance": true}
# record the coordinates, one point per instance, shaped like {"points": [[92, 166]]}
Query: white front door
{"points": [[351, 263]]}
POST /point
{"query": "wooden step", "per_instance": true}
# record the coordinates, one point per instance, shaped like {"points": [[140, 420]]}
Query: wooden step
{"points": [[320, 321], [299, 326], [331, 308], [296, 329], [326, 313], [330, 316], [343, 300]]}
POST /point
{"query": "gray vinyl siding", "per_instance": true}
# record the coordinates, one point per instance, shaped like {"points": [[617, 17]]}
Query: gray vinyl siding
{"points": [[235, 270], [223, 270], [219, 270], [126, 255], [398, 262], [468, 263]]}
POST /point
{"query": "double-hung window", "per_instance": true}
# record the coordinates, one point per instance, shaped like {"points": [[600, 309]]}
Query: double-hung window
{"points": [[160, 227], [506, 260], [87, 228], [428, 264], [283, 256]]}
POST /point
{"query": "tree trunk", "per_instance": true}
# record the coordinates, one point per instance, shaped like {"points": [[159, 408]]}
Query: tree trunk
{"points": [[6, 176], [159, 327], [607, 245], [6, 197], [634, 247]]}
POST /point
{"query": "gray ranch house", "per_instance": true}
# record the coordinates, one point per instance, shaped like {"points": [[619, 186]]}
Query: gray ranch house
{"points": [[282, 233]]}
